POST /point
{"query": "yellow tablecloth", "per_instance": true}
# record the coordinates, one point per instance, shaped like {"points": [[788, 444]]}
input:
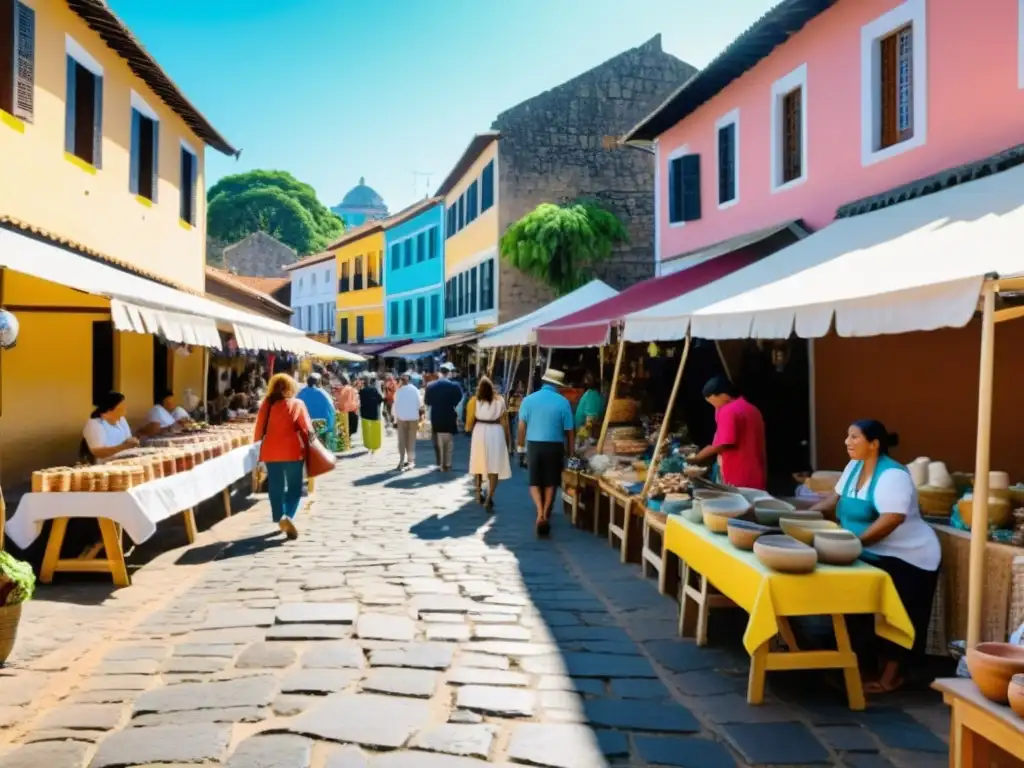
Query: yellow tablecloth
{"points": [[767, 595]]}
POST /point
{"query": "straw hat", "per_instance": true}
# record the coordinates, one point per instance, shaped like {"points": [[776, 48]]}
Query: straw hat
{"points": [[553, 376]]}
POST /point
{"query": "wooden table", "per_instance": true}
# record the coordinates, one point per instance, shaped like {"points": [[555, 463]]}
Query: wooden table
{"points": [[982, 733], [621, 525]]}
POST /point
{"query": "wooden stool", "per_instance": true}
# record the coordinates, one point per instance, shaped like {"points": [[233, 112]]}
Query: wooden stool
{"points": [[696, 599], [652, 555]]}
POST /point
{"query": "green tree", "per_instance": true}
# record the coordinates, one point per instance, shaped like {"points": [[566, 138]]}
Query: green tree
{"points": [[274, 202], [559, 244]]}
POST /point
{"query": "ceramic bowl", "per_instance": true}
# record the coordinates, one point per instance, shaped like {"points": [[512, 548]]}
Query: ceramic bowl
{"points": [[753, 494], [785, 554], [675, 503], [769, 511], [804, 530], [837, 547], [743, 534], [1015, 693], [733, 505], [707, 493], [999, 512], [716, 523], [992, 666], [693, 513]]}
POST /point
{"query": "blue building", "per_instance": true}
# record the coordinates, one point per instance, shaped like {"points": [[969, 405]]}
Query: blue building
{"points": [[414, 272], [360, 205]]}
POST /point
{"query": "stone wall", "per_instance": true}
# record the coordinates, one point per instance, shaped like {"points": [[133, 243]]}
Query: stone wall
{"points": [[518, 293], [258, 255], [561, 145]]}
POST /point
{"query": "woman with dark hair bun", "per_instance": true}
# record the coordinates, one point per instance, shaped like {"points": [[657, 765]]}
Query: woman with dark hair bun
{"points": [[876, 499], [107, 432]]}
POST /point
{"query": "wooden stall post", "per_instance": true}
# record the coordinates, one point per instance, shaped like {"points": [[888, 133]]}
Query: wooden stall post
{"points": [[663, 432], [721, 359], [979, 519], [611, 393], [490, 362], [529, 374]]}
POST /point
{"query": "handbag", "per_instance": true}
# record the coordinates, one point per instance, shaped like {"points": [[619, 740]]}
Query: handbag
{"points": [[319, 460]]}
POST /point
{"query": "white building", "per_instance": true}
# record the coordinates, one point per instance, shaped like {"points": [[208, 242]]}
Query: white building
{"points": [[314, 293]]}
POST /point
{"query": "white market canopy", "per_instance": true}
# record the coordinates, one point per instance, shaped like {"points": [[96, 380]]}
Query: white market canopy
{"points": [[914, 266], [141, 305], [522, 330]]}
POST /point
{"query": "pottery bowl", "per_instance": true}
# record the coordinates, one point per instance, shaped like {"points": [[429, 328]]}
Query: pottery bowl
{"points": [[992, 666], [753, 494], [707, 493], [837, 547], [1015, 693], [733, 505], [769, 511], [693, 513], [804, 530], [743, 534], [716, 523], [785, 554], [675, 503], [999, 512]]}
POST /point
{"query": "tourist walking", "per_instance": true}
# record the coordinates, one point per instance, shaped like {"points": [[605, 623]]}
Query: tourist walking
{"points": [[487, 421], [390, 387], [370, 402], [442, 397], [285, 429], [546, 431], [321, 408], [348, 405], [407, 411]]}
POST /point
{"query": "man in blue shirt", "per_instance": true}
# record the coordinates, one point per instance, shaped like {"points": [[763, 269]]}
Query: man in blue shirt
{"points": [[319, 405], [442, 397], [546, 429]]}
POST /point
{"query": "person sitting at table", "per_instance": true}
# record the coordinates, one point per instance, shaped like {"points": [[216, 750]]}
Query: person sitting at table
{"points": [[107, 433], [739, 437], [164, 416], [876, 499], [591, 405]]}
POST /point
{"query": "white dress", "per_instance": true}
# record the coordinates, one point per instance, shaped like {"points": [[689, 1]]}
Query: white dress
{"points": [[488, 453]]}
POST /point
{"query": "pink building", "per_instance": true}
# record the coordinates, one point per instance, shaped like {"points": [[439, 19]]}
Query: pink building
{"points": [[824, 102]]}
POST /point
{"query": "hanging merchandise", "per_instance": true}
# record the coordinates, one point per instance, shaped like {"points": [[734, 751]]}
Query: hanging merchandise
{"points": [[652, 349]]}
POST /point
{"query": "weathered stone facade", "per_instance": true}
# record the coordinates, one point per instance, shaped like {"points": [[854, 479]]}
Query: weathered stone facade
{"points": [[561, 145], [258, 255]]}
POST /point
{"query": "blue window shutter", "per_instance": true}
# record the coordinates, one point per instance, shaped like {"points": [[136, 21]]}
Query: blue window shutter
{"points": [[133, 163], [691, 187], [675, 190], [156, 158], [69, 107], [195, 187], [97, 124]]}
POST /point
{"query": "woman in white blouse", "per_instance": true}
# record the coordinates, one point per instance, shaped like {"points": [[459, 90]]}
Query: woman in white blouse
{"points": [[107, 432], [876, 499], [164, 415]]}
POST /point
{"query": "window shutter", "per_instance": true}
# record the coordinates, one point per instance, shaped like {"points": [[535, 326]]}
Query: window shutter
{"points": [[675, 190], [156, 159], [727, 163], [97, 124], [135, 153], [69, 107], [690, 187], [194, 188], [24, 61]]}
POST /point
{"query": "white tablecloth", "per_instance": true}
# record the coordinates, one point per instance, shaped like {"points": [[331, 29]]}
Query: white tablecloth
{"points": [[140, 509]]}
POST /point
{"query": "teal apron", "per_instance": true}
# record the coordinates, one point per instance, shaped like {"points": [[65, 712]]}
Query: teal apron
{"points": [[855, 514]]}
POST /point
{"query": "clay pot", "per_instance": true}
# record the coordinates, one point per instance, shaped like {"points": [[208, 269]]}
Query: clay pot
{"points": [[938, 476], [999, 512], [919, 470], [716, 523], [675, 503], [998, 481], [753, 495], [770, 511], [1015, 694], [992, 666], [785, 554], [804, 530], [743, 534], [693, 513], [837, 547], [732, 505]]}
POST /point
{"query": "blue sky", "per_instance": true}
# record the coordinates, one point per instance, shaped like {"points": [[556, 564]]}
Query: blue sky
{"points": [[332, 90]]}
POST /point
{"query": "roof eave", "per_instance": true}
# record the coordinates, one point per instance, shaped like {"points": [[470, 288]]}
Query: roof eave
{"points": [[477, 145]]}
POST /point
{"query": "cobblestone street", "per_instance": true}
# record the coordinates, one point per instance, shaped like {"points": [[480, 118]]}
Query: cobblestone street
{"points": [[406, 627]]}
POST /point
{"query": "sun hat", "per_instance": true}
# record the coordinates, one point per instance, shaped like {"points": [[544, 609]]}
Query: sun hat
{"points": [[554, 376]]}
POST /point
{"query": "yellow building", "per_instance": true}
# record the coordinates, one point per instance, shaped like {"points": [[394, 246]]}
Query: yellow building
{"points": [[360, 256], [103, 158], [472, 230]]}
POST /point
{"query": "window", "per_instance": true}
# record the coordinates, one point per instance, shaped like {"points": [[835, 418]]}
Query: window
{"points": [[789, 130], [102, 359], [421, 247], [421, 314], [471, 195], [143, 174], [373, 269], [408, 252], [322, 320], [435, 313], [360, 335], [452, 214], [460, 292], [309, 318], [473, 275], [728, 159], [393, 318], [449, 298], [312, 279], [467, 290], [432, 237], [83, 106], [462, 211], [407, 311], [188, 185], [343, 283], [396, 257], [487, 285], [17, 59], [327, 277], [487, 187], [357, 274], [343, 331], [683, 188]]}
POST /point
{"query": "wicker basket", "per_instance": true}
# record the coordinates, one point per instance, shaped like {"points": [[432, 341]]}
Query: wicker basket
{"points": [[631, 447], [936, 502], [10, 616], [119, 480], [623, 411]]}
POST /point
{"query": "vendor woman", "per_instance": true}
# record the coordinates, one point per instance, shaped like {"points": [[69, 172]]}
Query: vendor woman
{"points": [[164, 415], [591, 405], [876, 499], [107, 432]]}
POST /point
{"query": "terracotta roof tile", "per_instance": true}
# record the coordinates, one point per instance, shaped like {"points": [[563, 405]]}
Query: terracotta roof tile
{"points": [[226, 278]]}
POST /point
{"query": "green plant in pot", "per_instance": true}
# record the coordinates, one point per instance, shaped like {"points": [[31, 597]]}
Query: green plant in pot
{"points": [[17, 583]]}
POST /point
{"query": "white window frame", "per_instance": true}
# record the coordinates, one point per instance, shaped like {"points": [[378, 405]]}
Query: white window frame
{"points": [[82, 56], [730, 118], [780, 89], [909, 12], [139, 105], [674, 155]]}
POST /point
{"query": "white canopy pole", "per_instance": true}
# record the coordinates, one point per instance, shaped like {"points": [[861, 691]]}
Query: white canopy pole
{"points": [[979, 516]]}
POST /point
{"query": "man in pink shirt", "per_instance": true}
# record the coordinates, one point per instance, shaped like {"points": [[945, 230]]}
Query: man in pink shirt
{"points": [[739, 437]]}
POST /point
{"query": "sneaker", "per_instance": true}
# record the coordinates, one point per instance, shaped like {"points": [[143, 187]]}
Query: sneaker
{"points": [[289, 528]]}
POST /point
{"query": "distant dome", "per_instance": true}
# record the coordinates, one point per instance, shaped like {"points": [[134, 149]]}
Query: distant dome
{"points": [[362, 196]]}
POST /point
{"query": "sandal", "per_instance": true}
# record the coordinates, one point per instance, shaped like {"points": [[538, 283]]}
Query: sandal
{"points": [[489, 504], [883, 686], [543, 528]]}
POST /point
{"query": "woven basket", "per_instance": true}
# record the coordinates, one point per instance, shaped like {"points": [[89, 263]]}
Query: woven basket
{"points": [[936, 502], [10, 616], [623, 411]]}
